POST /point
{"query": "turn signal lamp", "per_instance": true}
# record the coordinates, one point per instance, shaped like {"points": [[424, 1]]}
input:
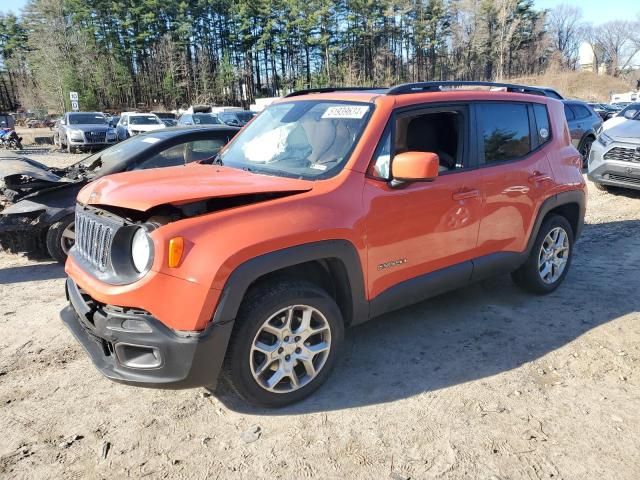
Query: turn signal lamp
{"points": [[176, 247]]}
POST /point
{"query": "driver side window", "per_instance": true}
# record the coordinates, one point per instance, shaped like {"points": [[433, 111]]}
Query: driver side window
{"points": [[437, 131]]}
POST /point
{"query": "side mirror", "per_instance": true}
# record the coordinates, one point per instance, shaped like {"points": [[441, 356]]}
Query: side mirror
{"points": [[415, 167], [630, 114], [62, 122]]}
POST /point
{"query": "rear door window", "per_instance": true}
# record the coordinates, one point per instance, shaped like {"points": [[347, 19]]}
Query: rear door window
{"points": [[504, 131]]}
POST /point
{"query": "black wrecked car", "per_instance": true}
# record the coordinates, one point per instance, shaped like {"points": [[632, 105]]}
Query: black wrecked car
{"points": [[37, 202]]}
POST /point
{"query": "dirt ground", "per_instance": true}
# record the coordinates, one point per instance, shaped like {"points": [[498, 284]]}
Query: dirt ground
{"points": [[485, 383]]}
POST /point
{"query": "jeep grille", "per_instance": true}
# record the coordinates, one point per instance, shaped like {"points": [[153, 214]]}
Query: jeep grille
{"points": [[93, 239]]}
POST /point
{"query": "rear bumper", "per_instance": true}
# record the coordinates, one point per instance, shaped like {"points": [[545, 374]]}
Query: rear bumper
{"points": [[132, 347]]}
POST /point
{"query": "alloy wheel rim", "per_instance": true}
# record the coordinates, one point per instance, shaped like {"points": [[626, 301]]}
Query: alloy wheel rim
{"points": [[554, 255], [68, 238], [290, 349]]}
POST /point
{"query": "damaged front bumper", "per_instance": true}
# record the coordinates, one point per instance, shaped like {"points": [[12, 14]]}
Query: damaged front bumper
{"points": [[130, 346], [24, 232]]}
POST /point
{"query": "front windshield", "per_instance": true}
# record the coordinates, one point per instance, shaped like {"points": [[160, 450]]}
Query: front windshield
{"points": [[305, 139], [87, 119], [206, 119], [144, 120]]}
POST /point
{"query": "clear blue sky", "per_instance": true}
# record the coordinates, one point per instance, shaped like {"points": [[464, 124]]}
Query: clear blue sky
{"points": [[14, 6], [597, 11], [594, 11]]}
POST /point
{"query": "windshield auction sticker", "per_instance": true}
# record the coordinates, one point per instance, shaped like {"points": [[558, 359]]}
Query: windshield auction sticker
{"points": [[346, 111]]}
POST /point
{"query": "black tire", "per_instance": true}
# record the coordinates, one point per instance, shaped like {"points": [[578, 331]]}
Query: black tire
{"points": [[528, 275], [602, 188], [55, 238], [585, 149], [258, 306]]}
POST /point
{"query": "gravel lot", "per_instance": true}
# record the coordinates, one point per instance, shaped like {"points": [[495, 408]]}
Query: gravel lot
{"points": [[485, 382]]}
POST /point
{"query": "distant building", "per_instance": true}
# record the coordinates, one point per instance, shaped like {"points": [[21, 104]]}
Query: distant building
{"points": [[587, 60]]}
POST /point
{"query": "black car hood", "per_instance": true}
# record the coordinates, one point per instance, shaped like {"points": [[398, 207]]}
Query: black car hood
{"points": [[21, 177], [13, 166]]}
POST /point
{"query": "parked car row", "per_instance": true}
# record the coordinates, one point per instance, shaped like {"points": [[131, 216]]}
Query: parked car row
{"points": [[605, 110], [83, 131]]}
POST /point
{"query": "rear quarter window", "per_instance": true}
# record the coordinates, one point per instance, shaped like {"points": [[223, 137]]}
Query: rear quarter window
{"points": [[543, 129], [568, 113], [580, 111], [504, 131]]}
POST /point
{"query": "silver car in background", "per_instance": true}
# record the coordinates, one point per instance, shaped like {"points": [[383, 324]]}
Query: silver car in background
{"points": [[614, 160], [84, 131]]}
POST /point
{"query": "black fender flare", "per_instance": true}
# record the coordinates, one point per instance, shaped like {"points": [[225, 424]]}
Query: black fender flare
{"points": [[564, 198], [246, 273]]}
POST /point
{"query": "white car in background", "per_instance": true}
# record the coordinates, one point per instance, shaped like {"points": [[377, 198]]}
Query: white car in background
{"points": [[623, 115], [131, 124], [614, 160]]}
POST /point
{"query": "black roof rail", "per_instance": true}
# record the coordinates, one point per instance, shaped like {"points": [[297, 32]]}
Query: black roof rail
{"points": [[438, 86], [336, 89]]}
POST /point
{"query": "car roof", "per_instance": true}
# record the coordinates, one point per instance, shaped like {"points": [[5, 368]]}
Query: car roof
{"points": [[369, 93]]}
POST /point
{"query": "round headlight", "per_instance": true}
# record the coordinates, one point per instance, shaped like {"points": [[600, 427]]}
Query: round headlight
{"points": [[141, 250]]}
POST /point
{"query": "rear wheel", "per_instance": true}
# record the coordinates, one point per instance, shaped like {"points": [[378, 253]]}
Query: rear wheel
{"points": [[285, 343], [61, 236], [585, 149], [550, 257]]}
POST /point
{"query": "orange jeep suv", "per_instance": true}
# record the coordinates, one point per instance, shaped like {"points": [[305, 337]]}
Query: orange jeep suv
{"points": [[331, 207]]}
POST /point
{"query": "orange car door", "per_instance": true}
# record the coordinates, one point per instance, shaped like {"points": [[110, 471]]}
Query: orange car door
{"points": [[516, 174], [417, 228]]}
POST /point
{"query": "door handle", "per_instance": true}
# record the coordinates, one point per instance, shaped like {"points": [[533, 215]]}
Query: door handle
{"points": [[466, 194], [539, 177]]}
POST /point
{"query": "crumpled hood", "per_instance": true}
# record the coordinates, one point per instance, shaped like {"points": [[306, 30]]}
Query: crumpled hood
{"points": [[23, 166], [628, 130], [144, 189], [21, 177]]}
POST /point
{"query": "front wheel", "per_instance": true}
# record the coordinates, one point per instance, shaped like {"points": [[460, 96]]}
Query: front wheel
{"points": [[549, 259], [285, 343], [61, 236]]}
